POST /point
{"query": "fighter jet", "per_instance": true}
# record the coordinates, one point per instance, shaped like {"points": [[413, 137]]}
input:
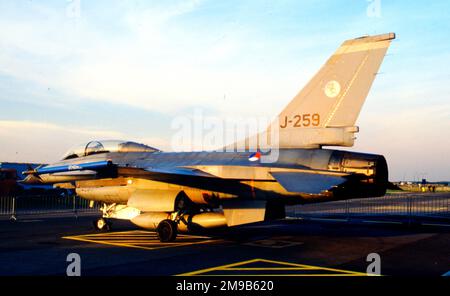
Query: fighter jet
{"points": [[172, 192]]}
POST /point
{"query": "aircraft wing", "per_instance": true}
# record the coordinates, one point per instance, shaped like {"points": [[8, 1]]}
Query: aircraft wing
{"points": [[301, 182], [192, 172], [307, 182]]}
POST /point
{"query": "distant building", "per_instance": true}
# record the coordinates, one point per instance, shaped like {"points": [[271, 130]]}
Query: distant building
{"points": [[8, 181]]}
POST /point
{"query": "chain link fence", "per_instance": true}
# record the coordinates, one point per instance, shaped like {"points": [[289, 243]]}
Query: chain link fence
{"points": [[14, 206], [404, 205]]}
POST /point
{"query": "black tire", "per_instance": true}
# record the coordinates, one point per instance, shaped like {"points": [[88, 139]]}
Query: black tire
{"points": [[167, 231]]}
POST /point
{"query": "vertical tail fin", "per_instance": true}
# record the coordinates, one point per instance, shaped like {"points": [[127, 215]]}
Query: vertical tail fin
{"points": [[325, 110]]}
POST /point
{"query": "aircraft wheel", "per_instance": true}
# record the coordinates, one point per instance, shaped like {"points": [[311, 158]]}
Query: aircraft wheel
{"points": [[102, 224], [167, 231]]}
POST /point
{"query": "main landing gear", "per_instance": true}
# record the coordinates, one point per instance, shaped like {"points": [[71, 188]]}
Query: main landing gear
{"points": [[167, 230]]}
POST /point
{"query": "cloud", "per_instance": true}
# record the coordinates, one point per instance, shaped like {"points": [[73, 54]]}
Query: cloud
{"points": [[154, 62]]}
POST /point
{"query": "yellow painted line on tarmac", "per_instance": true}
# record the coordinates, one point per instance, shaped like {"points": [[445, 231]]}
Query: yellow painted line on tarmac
{"points": [[267, 268], [121, 233], [138, 239], [282, 266]]}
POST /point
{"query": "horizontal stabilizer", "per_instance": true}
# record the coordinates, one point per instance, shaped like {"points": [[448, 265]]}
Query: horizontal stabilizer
{"points": [[306, 182]]}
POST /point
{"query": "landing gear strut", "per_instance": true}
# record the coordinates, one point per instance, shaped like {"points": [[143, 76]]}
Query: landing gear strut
{"points": [[167, 230], [102, 224]]}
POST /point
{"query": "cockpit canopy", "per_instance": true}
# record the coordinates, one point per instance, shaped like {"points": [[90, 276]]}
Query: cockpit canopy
{"points": [[96, 147]]}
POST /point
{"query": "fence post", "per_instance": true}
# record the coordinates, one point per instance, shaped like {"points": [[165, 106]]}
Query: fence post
{"points": [[74, 202], [347, 209], [13, 210], [409, 204]]}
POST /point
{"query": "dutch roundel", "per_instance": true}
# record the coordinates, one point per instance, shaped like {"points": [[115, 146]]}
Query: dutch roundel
{"points": [[255, 156]]}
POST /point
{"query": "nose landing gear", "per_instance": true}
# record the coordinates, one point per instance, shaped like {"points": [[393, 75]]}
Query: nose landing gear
{"points": [[102, 224]]}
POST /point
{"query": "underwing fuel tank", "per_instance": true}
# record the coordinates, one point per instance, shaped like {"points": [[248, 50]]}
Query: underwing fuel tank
{"points": [[150, 220]]}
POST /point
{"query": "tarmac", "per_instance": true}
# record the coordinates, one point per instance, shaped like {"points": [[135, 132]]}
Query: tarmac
{"points": [[40, 245]]}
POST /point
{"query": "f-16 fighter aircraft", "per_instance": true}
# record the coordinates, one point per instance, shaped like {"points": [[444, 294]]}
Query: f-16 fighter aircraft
{"points": [[173, 192]]}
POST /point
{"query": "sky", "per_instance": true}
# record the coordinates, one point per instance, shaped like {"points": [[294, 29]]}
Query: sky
{"points": [[74, 71]]}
